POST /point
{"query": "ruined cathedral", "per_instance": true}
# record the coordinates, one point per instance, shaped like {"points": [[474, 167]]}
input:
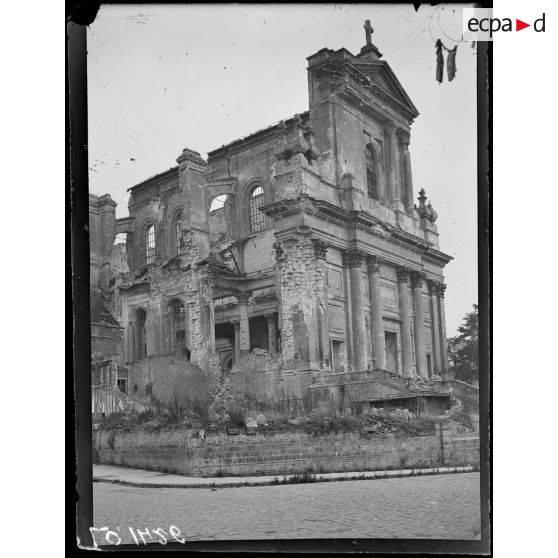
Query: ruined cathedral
{"points": [[297, 258]]}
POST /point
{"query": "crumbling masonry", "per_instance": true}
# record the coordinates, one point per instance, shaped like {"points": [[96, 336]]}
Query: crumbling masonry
{"points": [[296, 253]]}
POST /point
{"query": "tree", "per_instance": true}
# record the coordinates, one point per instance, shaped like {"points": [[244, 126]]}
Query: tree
{"points": [[463, 349]]}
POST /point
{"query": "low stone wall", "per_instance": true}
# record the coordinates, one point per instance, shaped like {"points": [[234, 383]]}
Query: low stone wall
{"points": [[181, 452]]}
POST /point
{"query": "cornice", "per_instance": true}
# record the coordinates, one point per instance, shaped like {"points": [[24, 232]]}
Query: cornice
{"points": [[435, 256], [342, 70], [153, 180], [256, 137], [347, 219]]}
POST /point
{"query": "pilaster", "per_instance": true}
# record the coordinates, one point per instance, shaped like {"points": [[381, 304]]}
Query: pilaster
{"points": [[408, 183], [436, 354], [394, 170], [443, 334]]}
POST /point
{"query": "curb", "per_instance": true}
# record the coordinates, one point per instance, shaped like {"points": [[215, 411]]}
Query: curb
{"points": [[285, 480]]}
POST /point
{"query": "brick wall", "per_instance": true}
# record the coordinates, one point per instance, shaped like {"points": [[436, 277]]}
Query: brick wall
{"points": [[260, 374], [171, 375], [261, 454]]}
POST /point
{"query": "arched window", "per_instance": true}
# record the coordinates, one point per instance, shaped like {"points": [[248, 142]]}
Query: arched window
{"points": [[141, 347], [371, 174], [177, 233], [177, 326], [149, 244], [257, 218]]}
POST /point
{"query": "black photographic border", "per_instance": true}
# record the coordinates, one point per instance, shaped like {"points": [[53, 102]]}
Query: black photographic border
{"points": [[78, 386]]}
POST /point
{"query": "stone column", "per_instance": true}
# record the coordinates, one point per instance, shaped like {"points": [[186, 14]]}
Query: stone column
{"points": [[405, 315], [420, 332], [322, 303], [353, 260], [376, 322], [244, 323], [435, 320], [394, 171], [272, 332], [443, 335], [236, 351], [408, 176]]}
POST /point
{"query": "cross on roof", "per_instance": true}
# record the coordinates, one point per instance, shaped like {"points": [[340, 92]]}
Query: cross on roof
{"points": [[369, 30]]}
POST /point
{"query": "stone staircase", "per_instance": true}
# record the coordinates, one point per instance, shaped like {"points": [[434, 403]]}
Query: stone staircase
{"points": [[463, 393], [404, 386], [376, 385]]}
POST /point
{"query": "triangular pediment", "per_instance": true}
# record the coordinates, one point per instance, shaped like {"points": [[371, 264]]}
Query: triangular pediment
{"points": [[379, 72]]}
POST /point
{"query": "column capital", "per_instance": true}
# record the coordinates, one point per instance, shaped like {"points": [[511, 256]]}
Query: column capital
{"points": [[320, 248], [243, 297], [437, 288], [402, 274], [374, 264], [352, 257], [279, 251], [235, 322], [405, 139], [271, 317], [416, 279], [391, 127]]}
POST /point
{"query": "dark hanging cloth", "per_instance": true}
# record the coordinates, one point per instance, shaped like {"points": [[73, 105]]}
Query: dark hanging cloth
{"points": [[451, 62], [439, 62]]}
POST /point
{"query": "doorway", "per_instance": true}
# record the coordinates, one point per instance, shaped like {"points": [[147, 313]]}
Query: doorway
{"points": [[392, 362], [336, 355]]}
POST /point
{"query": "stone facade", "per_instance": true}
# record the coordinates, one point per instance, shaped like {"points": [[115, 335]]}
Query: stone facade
{"points": [[294, 253], [106, 333]]}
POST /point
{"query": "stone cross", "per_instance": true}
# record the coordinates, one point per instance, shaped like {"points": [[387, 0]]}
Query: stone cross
{"points": [[369, 31]]}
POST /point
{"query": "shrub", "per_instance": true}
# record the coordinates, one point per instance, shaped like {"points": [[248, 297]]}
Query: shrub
{"points": [[176, 408], [327, 408], [237, 414], [200, 406], [348, 423]]}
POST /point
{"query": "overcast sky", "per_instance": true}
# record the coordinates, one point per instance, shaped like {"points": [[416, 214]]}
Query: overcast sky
{"points": [[165, 77]]}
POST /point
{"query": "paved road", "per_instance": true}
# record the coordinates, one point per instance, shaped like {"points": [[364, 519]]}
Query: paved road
{"points": [[439, 507]]}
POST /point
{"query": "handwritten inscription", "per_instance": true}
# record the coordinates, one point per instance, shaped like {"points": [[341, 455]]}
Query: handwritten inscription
{"points": [[104, 535]]}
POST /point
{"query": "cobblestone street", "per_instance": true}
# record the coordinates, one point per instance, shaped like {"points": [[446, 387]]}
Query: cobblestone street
{"points": [[437, 507]]}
